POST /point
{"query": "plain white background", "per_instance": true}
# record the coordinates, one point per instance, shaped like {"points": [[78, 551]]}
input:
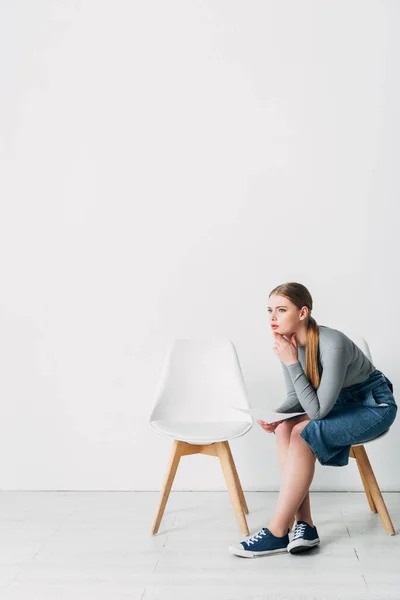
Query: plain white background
{"points": [[164, 165]]}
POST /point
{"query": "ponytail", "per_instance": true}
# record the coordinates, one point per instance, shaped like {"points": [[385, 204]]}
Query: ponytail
{"points": [[312, 372]]}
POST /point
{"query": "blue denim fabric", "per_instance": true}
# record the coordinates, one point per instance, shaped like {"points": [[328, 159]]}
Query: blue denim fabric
{"points": [[362, 412]]}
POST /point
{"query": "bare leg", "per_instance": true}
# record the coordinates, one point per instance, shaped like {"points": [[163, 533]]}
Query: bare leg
{"points": [[283, 433], [297, 476]]}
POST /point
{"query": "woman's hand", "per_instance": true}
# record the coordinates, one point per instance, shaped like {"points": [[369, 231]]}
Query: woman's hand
{"points": [[268, 427], [286, 351]]}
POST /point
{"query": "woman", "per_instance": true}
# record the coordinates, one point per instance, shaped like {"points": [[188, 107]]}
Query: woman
{"points": [[346, 401]]}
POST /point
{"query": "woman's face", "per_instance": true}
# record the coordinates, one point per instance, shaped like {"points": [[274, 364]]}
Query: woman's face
{"points": [[284, 314]]}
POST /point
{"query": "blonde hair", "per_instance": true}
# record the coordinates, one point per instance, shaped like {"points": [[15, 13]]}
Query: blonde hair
{"points": [[300, 296]]}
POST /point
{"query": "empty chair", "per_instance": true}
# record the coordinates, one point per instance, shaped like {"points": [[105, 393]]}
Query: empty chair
{"points": [[200, 384]]}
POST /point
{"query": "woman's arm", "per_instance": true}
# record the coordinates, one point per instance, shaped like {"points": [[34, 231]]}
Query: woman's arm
{"points": [[291, 403], [318, 404]]}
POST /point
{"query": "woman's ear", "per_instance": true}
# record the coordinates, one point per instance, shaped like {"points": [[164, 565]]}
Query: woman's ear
{"points": [[305, 312]]}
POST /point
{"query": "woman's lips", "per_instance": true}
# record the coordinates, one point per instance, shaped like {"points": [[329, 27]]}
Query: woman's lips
{"points": [[274, 326]]}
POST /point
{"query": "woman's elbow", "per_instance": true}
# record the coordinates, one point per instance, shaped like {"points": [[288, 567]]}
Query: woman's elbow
{"points": [[318, 414], [315, 415]]}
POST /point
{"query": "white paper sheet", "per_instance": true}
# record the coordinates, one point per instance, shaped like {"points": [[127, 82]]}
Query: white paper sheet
{"points": [[263, 414]]}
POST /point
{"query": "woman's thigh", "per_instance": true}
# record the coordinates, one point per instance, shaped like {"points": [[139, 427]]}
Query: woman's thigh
{"points": [[347, 424]]}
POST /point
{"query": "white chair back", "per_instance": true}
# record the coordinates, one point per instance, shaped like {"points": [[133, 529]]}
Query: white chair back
{"points": [[363, 345], [360, 342], [201, 380]]}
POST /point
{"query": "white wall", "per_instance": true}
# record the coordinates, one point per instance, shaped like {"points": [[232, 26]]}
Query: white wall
{"points": [[164, 165]]}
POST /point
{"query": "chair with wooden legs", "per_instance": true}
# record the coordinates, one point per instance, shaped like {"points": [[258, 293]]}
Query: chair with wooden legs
{"points": [[201, 382], [358, 452]]}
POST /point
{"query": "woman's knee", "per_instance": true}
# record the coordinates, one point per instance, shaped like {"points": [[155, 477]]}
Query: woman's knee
{"points": [[298, 427], [285, 427], [289, 424]]}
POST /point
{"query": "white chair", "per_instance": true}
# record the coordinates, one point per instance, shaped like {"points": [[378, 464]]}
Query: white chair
{"points": [[357, 451], [200, 383]]}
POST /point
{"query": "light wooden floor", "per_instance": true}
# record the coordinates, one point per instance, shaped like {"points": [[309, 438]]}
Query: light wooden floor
{"points": [[87, 545]]}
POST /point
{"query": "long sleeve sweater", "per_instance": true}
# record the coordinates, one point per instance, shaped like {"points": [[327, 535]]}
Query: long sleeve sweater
{"points": [[341, 363]]}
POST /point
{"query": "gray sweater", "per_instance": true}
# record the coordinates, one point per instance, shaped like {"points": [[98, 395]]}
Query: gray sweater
{"points": [[340, 362]]}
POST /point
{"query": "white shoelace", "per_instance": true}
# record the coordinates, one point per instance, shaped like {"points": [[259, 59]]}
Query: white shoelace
{"points": [[257, 536], [299, 530]]}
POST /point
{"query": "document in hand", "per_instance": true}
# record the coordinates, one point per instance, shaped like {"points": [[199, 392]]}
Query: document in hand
{"points": [[263, 414]]}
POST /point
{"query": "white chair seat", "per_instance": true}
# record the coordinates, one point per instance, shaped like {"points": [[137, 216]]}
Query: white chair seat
{"points": [[373, 439], [201, 432]]}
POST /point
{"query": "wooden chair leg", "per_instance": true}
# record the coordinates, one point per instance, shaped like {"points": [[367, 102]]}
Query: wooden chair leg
{"points": [[227, 469], [365, 468], [365, 484], [177, 452], [238, 484], [217, 449]]}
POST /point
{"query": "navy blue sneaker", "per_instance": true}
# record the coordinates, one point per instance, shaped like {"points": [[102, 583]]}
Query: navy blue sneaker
{"points": [[262, 543], [304, 538]]}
